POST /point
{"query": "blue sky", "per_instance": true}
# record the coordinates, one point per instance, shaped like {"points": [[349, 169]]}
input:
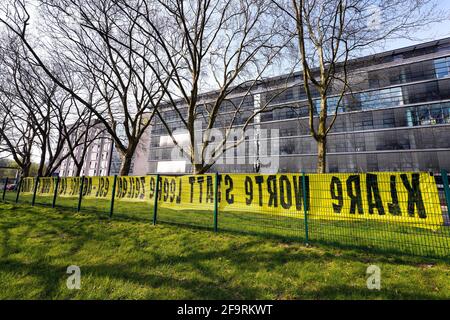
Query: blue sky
{"points": [[435, 31]]}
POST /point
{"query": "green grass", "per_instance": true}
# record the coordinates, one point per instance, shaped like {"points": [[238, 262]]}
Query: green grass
{"points": [[129, 258]]}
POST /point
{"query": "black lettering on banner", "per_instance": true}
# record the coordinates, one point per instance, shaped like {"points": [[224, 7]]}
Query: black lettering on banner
{"points": [[191, 182], [166, 189], [337, 193], [259, 181], [209, 189], [178, 200], [373, 194], [74, 186], [152, 187], [354, 193], [285, 192], [298, 192], [173, 187], [99, 192], [103, 186], [414, 195], [87, 187], [45, 185], [137, 189], [62, 186], [272, 190], [248, 190], [119, 191], [394, 207], [124, 187], [42, 185], [136, 186], [131, 188], [68, 183], [200, 181], [142, 195], [159, 193], [228, 195], [118, 187], [219, 191], [106, 187]]}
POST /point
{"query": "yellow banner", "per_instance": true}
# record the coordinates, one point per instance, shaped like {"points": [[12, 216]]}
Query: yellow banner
{"points": [[128, 188], [186, 192], [404, 197], [46, 186], [135, 188], [401, 197], [69, 187], [27, 185], [98, 187]]}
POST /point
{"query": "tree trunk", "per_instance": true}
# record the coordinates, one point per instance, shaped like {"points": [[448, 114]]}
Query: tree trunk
{"points": [[41, 168], [322, 156], [125, 166], [198, 168], [25, 170], [78, 171]]}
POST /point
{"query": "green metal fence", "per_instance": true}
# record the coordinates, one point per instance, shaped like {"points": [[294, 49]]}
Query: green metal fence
{"points": [[393, 212]]}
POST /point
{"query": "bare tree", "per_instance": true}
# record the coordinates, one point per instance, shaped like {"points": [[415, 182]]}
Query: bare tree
{"points": [[125, 91], [36, 112], [17, 129], [228, 46], [17, 135], [330, 33], [80, 135]]}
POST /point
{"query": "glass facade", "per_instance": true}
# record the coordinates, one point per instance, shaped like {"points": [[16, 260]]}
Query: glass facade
{"points": [[396, 119]]}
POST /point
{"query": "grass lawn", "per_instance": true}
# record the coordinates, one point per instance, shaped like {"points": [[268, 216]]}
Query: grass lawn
{"points": [[125, 258]]}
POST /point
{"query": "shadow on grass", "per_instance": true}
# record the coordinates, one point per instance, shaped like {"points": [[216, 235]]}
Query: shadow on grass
{"points": [[209, 286], [395, 255]]}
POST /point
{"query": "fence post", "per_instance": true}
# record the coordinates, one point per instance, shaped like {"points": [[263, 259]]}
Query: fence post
{"points": [[81, 194], [55, 193], [18, 189], [111, 208], [4, 189], [444, 175], [305, 209], [216, 200], [36, 182], [155, 205]]}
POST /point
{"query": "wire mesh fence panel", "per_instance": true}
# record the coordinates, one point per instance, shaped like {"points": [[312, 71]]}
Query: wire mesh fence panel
{"points": [[398, 212], [402, 212], [134, 198], [26, 190], [96, 195], [186, 200], [45, 191], [10, 196], [262, 204], [11, 190], [7, 189], [68, 193], [3, 185]]}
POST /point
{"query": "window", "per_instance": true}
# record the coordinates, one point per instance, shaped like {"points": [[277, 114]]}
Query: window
{"points": [[360, 144], [442, 67], [288, 132], [388, 123]]}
